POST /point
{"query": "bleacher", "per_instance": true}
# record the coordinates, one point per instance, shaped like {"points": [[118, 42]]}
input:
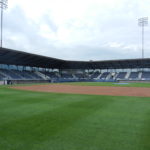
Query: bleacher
{"points": [[95, 75], [145, 75], [121, 75], [32, 75], [15, 74], [18, 75], [104, 75], [80, 75], [50, 74], [66, 75], [2, 77], [134, 75], [22, 74], [6, 74], [9, 74]]}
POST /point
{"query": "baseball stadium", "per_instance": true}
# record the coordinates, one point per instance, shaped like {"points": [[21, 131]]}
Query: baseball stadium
{"points": [[68, 102], [54, 104]]}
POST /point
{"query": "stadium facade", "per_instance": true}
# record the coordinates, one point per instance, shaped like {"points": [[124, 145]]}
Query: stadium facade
{"points": [[22, 67]]}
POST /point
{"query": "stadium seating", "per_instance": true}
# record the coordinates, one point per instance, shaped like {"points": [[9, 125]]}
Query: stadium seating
{"points": [[121, 75], [32, 75], [66, 75], [134, 75], [7, 74], [50, 74], [2, 77], [104, 75], [18, 75], [80, 75], [95, 75], [145, 75]]}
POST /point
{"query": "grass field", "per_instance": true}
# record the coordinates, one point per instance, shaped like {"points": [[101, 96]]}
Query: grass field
{"points": [[47, 121]]}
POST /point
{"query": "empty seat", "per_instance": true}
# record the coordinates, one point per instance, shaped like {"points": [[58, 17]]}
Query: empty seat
{"points": [[121, 75], [95, 75], [104, 75], [134, 75], [66, 75], [145, 75]]}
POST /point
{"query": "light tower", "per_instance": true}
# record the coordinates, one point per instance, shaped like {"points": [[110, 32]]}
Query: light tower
{"points": [[3, 5], [142, 22]]}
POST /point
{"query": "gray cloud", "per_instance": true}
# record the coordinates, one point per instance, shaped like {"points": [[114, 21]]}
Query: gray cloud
{"points": [[100, 34]]}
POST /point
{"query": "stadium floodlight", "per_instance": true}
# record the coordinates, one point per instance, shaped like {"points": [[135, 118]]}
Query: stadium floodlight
{"points": [[142, 22], [3, 5]]}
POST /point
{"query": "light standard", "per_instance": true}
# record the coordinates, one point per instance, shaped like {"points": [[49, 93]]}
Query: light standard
{"points": [[3, 5], [142, 22]]}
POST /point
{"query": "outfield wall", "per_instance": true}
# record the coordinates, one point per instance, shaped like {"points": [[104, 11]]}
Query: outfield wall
{"points": [[10, 82], [134, 81], [2, 82]]}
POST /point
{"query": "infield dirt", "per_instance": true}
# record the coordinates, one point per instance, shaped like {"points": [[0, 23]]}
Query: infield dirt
{"points": [[91, 90]]}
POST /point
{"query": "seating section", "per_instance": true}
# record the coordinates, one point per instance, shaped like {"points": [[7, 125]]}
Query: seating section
{"points": [[2, 76], [18, 75], [104, 75], [134, 75], [95, 75], [24, 74], [6, 74], [121, 75], [80, 75], [50, 74], [66, 75], [32, 74], [145, 75], [15, 74], [9, 74]]}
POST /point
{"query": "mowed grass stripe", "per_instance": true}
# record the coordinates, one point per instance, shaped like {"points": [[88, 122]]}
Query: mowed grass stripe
{"points": [[44, 121]]}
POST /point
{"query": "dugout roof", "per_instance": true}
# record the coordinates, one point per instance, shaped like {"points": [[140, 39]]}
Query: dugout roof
{"points": [[19, 58]]}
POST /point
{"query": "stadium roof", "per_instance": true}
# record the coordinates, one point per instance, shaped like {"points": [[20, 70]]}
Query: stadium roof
{"points": [[19, 58], [13, 57]]}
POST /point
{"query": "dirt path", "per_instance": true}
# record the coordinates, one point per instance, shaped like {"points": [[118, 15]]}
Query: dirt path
{"points": [[92, 90]]}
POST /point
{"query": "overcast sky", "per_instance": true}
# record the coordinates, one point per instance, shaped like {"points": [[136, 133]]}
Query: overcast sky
{"points": [[77, 29]]}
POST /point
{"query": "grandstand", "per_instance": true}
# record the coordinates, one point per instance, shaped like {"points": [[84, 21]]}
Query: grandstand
{"points": [[145, 76], [95, 75], [121, 75], [104, 75], [134, 75], [21, 67], [66, 75]]}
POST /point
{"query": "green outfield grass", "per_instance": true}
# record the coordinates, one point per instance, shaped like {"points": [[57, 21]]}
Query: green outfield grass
{"points": [[47, 121], [109, 84]]}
